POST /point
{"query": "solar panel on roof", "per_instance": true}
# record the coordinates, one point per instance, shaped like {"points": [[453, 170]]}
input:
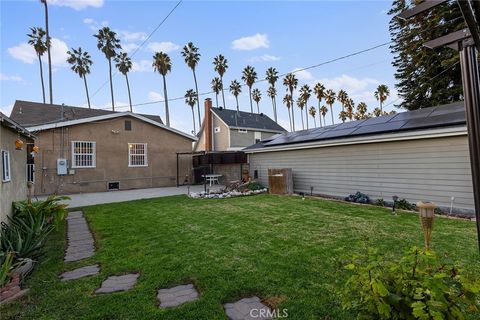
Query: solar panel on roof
{"points": [[421, 113], [449, 118], [379, 127], [376, 120]]}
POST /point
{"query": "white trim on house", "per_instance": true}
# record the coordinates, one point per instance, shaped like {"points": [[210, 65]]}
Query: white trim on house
{"points": [[84, 156], [144, 154], [397, 136], [106, 117], [6, 168]]}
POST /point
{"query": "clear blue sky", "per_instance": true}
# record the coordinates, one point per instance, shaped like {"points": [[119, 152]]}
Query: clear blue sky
{"points": [[286, 35]]}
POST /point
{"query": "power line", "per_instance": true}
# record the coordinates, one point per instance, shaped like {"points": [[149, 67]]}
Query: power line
{"points": [[142, 44], [281, 75]]}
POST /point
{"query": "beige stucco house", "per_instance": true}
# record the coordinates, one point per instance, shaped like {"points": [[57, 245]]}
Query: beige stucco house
{"points": [[13, 182], [90, 150], [416, 155]]}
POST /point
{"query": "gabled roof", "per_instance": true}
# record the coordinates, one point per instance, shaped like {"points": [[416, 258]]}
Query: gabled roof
{"points": [[7, 122], [247, 120], [403, 124], [106, 117], [29, 113]]}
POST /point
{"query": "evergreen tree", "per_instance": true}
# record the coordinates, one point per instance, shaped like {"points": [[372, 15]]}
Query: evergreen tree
{"points": [[425, 77]]}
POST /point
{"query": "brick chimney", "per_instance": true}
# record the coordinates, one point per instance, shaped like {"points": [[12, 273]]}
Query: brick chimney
{"points": [[208, 125]]}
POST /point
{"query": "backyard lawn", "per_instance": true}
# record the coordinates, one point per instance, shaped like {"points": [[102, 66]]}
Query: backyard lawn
{"points": [[286, 250]]}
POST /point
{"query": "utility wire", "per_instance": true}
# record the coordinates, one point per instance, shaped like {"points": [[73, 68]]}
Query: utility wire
{"points": [[141, 45]]}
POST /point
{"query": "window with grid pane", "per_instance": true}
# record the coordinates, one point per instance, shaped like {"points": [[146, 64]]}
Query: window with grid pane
{"points": [[137, 155], [83, 154]]}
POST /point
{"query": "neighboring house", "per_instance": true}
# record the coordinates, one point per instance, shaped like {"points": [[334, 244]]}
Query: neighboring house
{"points": [[91, 150], [230, 130], [417, 155], [13, 182]]}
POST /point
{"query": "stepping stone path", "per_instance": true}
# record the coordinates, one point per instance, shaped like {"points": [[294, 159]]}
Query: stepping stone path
{"points": [[247, 308], [118, 283], [80, 240], [177, 296], [80, 273]]}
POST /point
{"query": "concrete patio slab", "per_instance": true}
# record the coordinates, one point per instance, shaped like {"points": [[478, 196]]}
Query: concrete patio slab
{"points": [[177, 296], [118, 283], [89, 199], [80, 272]]}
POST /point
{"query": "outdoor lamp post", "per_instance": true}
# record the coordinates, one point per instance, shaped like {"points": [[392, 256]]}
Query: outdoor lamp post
{"points": [[426, 213], [395, 198]]}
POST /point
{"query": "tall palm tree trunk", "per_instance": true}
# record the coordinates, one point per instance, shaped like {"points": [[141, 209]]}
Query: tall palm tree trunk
{"points": [[198, 99], [290, 120], [41, 76], [293, 113], [167, 113], [129, 96], [258, 108], [250, 96], [319, 114], [238, 108], [86, 90], [301, 115], [315, 121], [223, 94], [381, 107], [275, 108], [216, 98], [324, 121], [48, 52], [331, 111], [111, 83], [193, 118], [306, 114]]}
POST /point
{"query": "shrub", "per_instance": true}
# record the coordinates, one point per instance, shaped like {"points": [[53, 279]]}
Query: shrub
{"points": [[51, 208], [6, 262], [380, 202], [418, 286], [254, 185], [403, 204], [358, 197]]}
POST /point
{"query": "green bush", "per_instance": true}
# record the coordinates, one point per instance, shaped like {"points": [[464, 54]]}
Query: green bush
{"points": [[254, 185], [403, 204], [418, 286], [51, 208], [6, 263], [380, 202]]}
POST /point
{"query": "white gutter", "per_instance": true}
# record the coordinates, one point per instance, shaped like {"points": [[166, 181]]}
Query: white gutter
{"points": [[106, 117], [397, 136]]}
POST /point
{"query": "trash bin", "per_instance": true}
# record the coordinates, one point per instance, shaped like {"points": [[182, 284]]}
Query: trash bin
{"points": [[280, 181]]}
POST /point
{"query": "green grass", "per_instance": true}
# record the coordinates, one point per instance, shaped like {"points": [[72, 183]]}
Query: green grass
{"points": [[282, 249]]}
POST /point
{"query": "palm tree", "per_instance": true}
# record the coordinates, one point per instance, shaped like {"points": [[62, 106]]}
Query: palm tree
{"points": [[291, 82], [349, 105], [163, 64], [236, 89], [287, 100], [81, 62], [330, 100], [342, 115], [192, 57], [191, 99], [301, 105], [272, 93], [342, 96], [217, 86], [124, 65], [249, 76], [319, 91], [257, 96], [377, 112], [272, 77], [313, 112], [381, 94], [48, 44], [362, 110], [40, 45], [323, 111], [221, 65], [108, 43], [305, 93]]}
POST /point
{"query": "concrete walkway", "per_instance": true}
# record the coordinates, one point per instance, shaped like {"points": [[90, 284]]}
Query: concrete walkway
{"points": [[88, 199]]}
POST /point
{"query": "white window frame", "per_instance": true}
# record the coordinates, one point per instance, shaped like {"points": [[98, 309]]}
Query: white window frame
{"points": [[216, 130], [93, 154], [130, 154], [242, 130], [6, 168]]}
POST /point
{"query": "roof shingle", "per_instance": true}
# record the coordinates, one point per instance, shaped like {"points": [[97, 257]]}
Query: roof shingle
{"points": [[247, 120]]}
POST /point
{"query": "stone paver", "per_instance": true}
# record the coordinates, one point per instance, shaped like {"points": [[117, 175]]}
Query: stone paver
{"points": [[176, 296], [80, 240], [247, 308], [118, 283], [80, 272]]}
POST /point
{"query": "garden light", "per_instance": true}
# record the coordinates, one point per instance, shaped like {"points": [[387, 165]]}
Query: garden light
{"points": [[395, 198], [426, 214]]}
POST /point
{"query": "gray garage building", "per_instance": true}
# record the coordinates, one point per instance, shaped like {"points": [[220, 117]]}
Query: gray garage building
{"points": [[416, 155]]}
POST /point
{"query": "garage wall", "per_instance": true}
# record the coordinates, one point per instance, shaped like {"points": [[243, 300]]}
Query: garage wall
{"points": [[429, 169]]}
